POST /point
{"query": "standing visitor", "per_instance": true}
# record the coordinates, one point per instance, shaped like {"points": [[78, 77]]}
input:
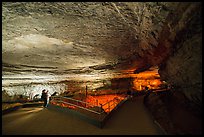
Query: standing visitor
{"points": [[44, 98], [47, 99]]}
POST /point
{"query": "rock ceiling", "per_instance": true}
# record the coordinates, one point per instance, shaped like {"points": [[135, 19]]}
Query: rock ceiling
{"points": [[83, 39]]}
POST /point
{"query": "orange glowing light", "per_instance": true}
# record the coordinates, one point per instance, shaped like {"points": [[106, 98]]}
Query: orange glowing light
{"points": [[150, 79], [63, 105], [108, 102]]}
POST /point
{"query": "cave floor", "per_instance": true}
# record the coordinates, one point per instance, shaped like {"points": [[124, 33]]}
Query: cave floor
{"points": [[175, 114], [184, 119], [131, 118]]}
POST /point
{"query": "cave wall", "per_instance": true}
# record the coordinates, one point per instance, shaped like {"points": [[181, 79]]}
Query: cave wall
{"points": [[9, 92], [94, 37], [183, 68]]}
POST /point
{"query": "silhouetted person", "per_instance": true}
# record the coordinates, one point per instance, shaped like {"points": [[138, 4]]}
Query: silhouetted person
{"points": [[129, 93], [148, 92], [45, 98], [146, 89], [86, 90], [54, 94], [36, 96]]}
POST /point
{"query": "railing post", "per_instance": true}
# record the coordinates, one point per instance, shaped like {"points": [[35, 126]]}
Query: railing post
{"points": [[109, 106], [101, 108], [100, 116]]}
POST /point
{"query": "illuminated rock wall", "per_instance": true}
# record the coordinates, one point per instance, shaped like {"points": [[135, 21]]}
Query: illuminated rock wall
{"points": [[30, 90]]}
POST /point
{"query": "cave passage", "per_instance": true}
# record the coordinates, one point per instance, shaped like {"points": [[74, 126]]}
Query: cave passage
{"points": [[143, 60]]}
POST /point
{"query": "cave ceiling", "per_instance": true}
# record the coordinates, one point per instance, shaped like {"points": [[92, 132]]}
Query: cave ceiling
{"points": [[82, 39]]}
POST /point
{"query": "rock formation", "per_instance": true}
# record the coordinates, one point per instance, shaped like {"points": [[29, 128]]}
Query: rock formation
{"points": [[87, 43]]}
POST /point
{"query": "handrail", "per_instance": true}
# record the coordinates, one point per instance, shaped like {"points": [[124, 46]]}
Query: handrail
{"points": [[73, 99], [88, 104], [97, 119], [81, 107], [99, 113], [109, 102]]}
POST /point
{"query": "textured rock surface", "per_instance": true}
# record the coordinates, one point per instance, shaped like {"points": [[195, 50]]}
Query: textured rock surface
{"points": [[66, 46], [183, 68], [90, 36], [56, 41], [174, 113]]}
